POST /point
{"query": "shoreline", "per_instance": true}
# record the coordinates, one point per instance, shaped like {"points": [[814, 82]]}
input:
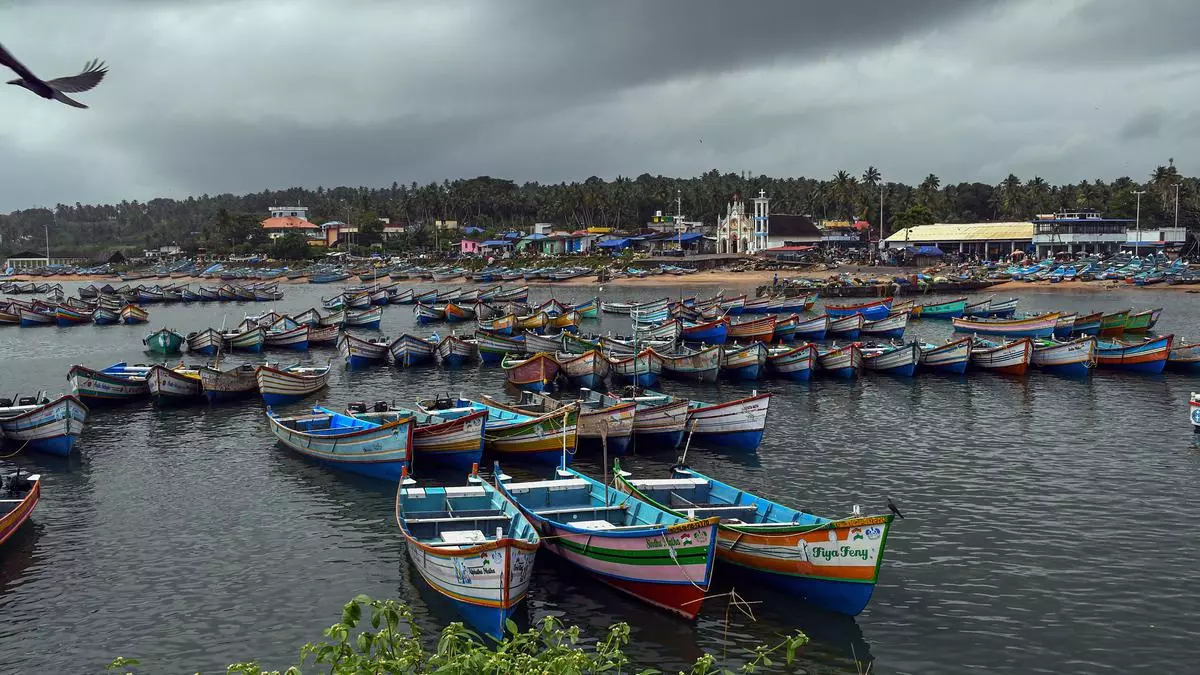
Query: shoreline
{"points": [[711, 278]]}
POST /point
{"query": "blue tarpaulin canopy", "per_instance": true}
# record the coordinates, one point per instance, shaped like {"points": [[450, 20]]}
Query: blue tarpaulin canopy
{"points": [[497, 242], [686, 236], [614, 243], [924, 250], [471, 229]]}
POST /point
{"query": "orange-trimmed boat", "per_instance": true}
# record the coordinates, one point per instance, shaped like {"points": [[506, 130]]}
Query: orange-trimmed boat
{"points": [[19, 494]]}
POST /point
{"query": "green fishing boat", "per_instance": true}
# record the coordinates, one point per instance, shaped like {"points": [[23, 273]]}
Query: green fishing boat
{"points": [[164, 341]]}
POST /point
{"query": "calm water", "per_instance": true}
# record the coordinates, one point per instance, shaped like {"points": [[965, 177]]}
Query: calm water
{"points": [[1049, 523]]}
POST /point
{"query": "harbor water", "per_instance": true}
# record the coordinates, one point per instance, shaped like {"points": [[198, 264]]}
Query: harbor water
{"points": [[1048, 522]]}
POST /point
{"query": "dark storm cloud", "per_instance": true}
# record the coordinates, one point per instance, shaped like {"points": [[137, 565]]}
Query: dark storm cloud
{"points": [[225, 96]]}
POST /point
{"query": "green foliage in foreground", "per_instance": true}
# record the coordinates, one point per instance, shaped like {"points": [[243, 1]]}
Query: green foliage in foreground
{"points": [[389, 641]]}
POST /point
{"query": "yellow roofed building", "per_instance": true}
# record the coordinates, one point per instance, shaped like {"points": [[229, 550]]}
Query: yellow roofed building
{"points": [[987, 240]]}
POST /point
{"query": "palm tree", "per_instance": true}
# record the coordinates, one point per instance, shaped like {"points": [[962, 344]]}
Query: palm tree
{"points": [[871, 176]]}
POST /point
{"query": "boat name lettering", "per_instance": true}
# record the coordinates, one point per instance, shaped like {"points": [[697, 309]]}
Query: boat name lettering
{"points": [[827, 554]]}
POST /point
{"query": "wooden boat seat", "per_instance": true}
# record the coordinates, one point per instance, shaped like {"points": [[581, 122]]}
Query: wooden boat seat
{"points": [[560, 484], [483, 515], [593, 525], [707, 511], [464, 537], [560, 511], [668, 483]]}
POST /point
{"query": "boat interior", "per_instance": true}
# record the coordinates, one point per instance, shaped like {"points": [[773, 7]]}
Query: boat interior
{"points": [[699, 497], [13, 489], [583, 504], [461, 516], [325, 422]]}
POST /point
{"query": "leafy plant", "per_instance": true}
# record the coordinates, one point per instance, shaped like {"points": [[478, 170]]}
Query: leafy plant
{"points": [[389, 641]]}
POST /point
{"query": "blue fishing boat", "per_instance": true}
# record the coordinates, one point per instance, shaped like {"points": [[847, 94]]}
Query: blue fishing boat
{"points": [[345, 442], [947, 309], [410, 350], [832, 563], [899, 360], [732, 425], [709, 332], [1074, 358], [117, 383], [43, 425], [873, 310], [951, 357], [536, 438], [1149, 356], [743, 363], [472, 546]]}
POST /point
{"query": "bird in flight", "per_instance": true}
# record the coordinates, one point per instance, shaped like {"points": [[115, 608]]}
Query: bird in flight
{"points": [[59, 87], [894, 509]]}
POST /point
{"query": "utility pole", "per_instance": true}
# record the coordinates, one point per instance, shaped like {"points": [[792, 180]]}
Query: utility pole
{"points": [[880, 251], [1177, 205], [1137, 223], [46, 228]]}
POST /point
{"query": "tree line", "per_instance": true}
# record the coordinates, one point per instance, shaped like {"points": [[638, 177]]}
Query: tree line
{"points": [[226, 221]]}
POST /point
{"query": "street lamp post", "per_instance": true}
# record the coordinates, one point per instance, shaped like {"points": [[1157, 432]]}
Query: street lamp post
{"points": [[1137, 223], [879, 252], [1177, 206]]}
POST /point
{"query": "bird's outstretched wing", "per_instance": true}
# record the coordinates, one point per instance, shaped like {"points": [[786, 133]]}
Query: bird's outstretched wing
{"points": [[7, 59], [92, 73]]}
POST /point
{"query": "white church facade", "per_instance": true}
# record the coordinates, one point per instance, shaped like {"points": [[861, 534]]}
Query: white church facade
{"points": [[738, 232]]}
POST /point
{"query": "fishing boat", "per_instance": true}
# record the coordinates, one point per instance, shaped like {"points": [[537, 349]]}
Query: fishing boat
{"points": [[367, 318], [702, 365], [103, 316], [947, 309], [535, 343], [785, 328], [794, 363], [733, 306], [1113, 324], [445, 441], [1149, 356], [289, 385], [713, 332], [458, 313], [1076, 357], [1193, 413], [844, 362], [628, 544], [174, 385], [40, 424], [994, 308], [732, 425], [950, 357], [641, 369], [247, 340], [335, 319], [358, 300], [36, 315], [493, 346], [535, 438], [588, 309], [1065, 326], [871, 311], [1184, 356], [817, 327], [132, 314], [762, 330], [891, 326], [323, 335], [19, 495], [517, 294], [454, 351], [589, 369], [1087, 324], [565, 321], [379, 450], [359, 352], [899, 360], [535, 373], [978, 308], [232, 384], [532, 322], [831, 563], [207, 341], [66, 316], [296, 338], [1008, 357], [669, 330], [657, 424], [849, 327], [410, 350], [1041, 326], [164, 341], [501, 326], [9, 315], [1135, 322], [472, 546], [114, 384], [429, 313], [742, 363], [597, 427]]}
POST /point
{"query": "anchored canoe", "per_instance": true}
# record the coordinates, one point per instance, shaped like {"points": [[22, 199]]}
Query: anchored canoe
{"points": [[228, 385], [891, 326], [537, 438], [454, 351], [174, 385], [1149, 356], [409, 350], [639, 549], [344, 442], [445, 441], [1035, 327], [831, 563], [208, 341], [164, 341], [359, 352], [948, 309], [21, 494], [849, 327], [114, 384], [535, 373], [742, 363], [471, 545], [596, 422], [46, 426], [951, 357], [844, 362], [700, 366], [871, 311], [657, 424], [899, 360], [288, 385], [1009, 358], [589, 369], [748, 331], [732, 425], [795, 363], [1076, 357]]}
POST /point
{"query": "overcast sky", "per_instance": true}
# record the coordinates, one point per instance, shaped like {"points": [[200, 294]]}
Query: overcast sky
{"points": [[240, 96]]}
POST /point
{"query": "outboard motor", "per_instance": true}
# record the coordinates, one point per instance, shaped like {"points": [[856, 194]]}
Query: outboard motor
{"points": [[381, 406], [357, 407]]}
